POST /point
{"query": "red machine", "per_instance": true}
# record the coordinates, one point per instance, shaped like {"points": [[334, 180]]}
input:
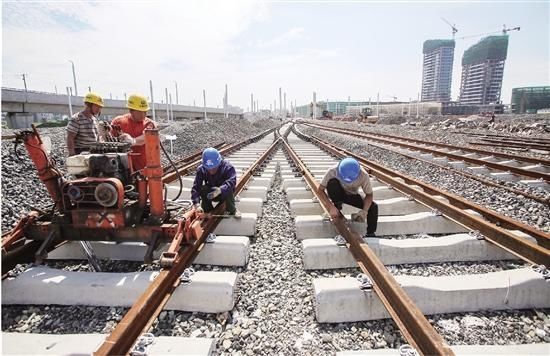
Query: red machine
{"points": [[108, 201]]}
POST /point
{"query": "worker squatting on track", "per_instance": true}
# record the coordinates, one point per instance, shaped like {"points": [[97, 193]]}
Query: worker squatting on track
{"points": [[130, 128], [82, 129], [215, 181], [342, 184]]}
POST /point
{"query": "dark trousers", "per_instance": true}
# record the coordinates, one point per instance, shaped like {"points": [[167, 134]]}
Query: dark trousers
{"points": [[338, 196], [206, 204]]}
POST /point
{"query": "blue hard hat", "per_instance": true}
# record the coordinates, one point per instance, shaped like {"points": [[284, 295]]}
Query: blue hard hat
{"points": [[211, 158], [349, 169]]}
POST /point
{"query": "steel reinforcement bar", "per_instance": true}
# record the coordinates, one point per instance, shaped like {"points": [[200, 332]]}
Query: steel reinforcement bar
{"points": [[491, 225], [145, 310], [409, 318]]}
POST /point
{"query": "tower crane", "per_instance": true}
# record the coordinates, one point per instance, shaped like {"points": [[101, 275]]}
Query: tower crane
{"points": [[504, 31], [453, 27]]}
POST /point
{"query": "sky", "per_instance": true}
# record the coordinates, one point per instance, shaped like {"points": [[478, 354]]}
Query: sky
{"points": [[338, 49]]}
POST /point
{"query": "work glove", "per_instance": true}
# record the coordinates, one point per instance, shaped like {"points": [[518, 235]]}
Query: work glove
{"points": [[198, 209], [360, 216], [214, 193], [126, 138]]}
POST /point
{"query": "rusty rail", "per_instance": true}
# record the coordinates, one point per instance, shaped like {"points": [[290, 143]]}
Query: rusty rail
{"points": [[438, 144], [171, 176], [409, 318], [523, 248], [468, 175], [511, 144], [192, 157], [145, 310]]}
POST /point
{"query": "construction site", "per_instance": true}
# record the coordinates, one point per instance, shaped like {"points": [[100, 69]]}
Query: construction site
{"points": [[335, 224]]}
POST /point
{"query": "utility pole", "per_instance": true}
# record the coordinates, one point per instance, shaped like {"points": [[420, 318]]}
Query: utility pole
{"points": [[252, 102], [74, 79], [377, 104], [171, 109], [418, 106], [410, 99], [70, 104], [226, 103], [25, 85], [177, 96], [89, 88], [167, 105], [55, 86], [204, 100], [284, 111], [314, 105], [280, 102], [152, 99]]}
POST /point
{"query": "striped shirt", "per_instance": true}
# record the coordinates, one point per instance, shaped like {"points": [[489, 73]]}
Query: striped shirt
{"points": [[85, 128]]}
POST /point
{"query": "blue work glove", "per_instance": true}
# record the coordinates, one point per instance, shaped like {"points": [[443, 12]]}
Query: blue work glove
{"points": [[214, 193]]}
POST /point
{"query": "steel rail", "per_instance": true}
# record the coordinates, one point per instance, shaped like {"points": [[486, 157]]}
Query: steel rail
{"points": [[466, 174], [409, 318], [519, 144], [506, 137], [445, 145], [455, 209], [192, 157], [498, 166], [145, 310], [172, 176]]}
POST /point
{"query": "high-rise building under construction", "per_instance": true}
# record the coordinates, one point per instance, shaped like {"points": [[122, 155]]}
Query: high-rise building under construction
{"points": [[437, 70], [482, 71]]}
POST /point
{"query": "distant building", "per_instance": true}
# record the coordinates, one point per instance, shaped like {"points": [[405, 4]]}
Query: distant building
{"points": [[336, 107], [437, 70], [482, 71], [530, 99]]}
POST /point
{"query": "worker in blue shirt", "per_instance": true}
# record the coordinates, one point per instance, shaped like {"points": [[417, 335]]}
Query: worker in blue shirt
{"points": [[215, 181]]}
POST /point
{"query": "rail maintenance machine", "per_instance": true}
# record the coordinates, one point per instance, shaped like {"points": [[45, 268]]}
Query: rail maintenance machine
{"points": [[107, 201]]}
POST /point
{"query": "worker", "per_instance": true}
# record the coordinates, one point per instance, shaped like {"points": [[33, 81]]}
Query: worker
{"points": [[215, 181], [342, 183], [130, 128], [82, 129]]}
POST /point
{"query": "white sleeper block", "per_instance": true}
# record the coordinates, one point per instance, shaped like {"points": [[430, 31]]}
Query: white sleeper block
{"points": [[261, 181], [254, 192], [87, 344], [417, 223], [468, 350], [225, 251], [250, 205], [393, 206], [298, 193], [326, 254], [340, 300], [314, 226], [384, 192], [294, 182], [245, 226], [209, 292]]}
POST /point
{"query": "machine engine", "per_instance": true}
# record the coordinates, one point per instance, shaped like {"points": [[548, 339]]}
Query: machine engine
{"points": [[103, 175]]}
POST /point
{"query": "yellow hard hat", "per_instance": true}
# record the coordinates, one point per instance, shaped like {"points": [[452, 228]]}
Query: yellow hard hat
{"points": [[93, 98], [137, 102]]}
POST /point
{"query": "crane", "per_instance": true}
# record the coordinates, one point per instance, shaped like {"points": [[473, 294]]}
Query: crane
{"points": [[504, 31], [453, 27]]}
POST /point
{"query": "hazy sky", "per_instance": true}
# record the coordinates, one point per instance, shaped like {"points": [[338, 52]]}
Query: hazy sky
{"points": [[335, 48]]}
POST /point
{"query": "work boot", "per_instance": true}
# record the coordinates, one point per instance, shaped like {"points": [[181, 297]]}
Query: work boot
{"points": [[236, 214]]}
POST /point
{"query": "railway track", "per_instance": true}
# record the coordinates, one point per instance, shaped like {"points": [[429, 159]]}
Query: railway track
{"points": [[511, 167], [285, 170]]}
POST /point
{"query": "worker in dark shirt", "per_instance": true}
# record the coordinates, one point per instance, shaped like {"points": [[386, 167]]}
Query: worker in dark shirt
{"points": [[215, 181]]}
